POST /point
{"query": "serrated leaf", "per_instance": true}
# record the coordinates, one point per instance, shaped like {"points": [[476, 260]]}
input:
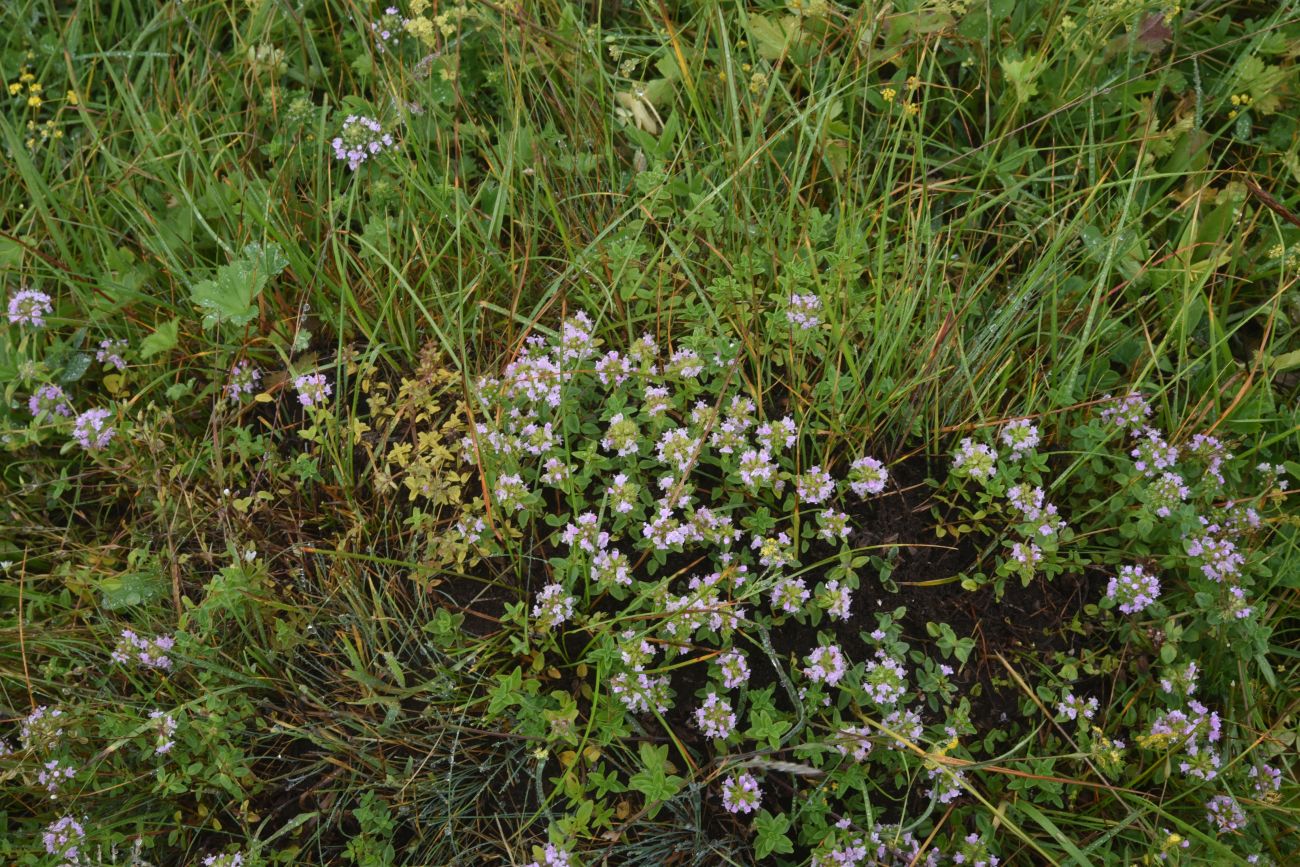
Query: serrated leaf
{"points": [[230, 297], [163, 339]]}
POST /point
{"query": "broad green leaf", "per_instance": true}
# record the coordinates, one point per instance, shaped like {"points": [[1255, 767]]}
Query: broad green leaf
{"points": [[163, 339]]}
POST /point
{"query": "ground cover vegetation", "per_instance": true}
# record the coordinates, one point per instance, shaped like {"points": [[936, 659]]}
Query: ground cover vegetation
{"points": [[649, 433]]}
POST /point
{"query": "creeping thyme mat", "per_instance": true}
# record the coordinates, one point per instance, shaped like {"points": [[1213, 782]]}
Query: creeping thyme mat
{"points": [[723, 609], [555, 434]]}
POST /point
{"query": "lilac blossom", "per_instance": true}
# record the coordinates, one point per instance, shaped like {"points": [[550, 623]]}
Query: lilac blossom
{"points": [[1027, 555], [1265, 781], [313, 389], [677, 449], [41, 729], [360, 139], [1129, 412], [1166, 493], [741, 794], [552, 856], [1072, 707], [232, 859], [576, 340], [836, 600], [63, 839], [51, 400], [684, 364], [1220, 559], [53, 775], [814, 486], [165, 730], [1224, 814], [734, 669], [613, 369], [975, 460], [585, 534], [622, 494], [776, 436], [1133, 589], [903, 722], [1152, 454], [29, 307], [885, 679], [656, 401], [639, 692], [789, 595], [611, 567], [553, 607], [803, 310], [867, 476], [715, 717], [1019, 436], [110, 353], [388, 29], [1212, 452], [555, 472], [149, 652], [1181, 680], [973, 851], [511, 493], [946, 784], [1034, 510], [92, 431], [757, 468], [243, 379], [826, 665], [854, 741]]}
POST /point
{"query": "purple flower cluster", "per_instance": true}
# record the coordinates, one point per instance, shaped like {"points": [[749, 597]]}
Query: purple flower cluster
{"points": [[585, 534], [776, 436], [814, 486], [946, 784], [974, 852], [1034, 510], [854, 741], [757, 468], [553, 607], [388, 29], [734, 669], [92, 431], [1212, 452], [29, 307], [1133, 589], [1166, 493], [41, 729], [741, 794], [715, 717], [836, 600], [313, 389], [885, 680], [789, 595], [1019, 436], [803, 310], [1129, 412], [243, 379], [54, 774], [230, 859], [1152, 454], [63, 839], [610, 567], [110, 353], [360, 139], [1220, 559], [1072, 707], [165, 730], [51, 400], [975, 460], [1224, 814], [622, 436], [827, 665], [867, 476], [552, 856], [149, 652]]}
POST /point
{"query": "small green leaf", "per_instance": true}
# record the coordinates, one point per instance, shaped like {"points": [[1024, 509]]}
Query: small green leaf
{"points": [[771, 834], [163, 339]]}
